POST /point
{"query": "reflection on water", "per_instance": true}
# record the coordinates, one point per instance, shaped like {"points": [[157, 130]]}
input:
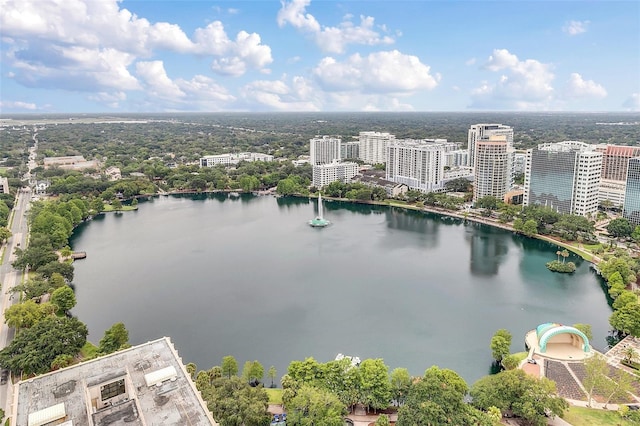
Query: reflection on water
{"points": [[248, 277]]}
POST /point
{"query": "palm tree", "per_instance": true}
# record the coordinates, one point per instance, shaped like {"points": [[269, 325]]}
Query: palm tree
{"points": [[564, 253], [558, 254], [629, 354]]}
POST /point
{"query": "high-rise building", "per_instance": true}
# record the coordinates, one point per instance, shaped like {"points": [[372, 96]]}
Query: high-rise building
{"points": [[564, 176], [615, 160], [350, 150], [373, 146], [324, 149], [631, 209], [416, 163], [324, 174], [492, 177], [485, 131]]}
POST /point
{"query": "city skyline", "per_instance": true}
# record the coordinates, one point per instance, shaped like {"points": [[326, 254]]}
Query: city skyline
{"points": [[303, 55]]}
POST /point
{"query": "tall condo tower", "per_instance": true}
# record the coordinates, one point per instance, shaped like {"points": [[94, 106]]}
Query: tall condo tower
{"points": [[564, 176], [373, 146], [492, 175], [631, 210], [324, 150], [479, 132], [416, 163]]}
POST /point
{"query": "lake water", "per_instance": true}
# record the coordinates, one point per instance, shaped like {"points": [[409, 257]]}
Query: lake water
{"points": [[248, 277]]}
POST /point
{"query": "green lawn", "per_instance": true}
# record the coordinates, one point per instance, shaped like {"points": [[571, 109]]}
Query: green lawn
{"points": [[580, 416], [275, 395], [109, 208], [89, 351]]}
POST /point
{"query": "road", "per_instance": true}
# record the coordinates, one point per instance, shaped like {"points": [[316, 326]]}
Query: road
{"points": [[11, 277]]}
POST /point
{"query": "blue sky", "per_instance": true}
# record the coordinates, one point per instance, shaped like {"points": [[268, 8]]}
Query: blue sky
{"points": [[318, 55]]}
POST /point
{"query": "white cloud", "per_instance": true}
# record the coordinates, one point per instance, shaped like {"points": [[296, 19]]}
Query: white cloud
{"points": [[632, 103], [578, 87], [278, 95], [575, 27], [155, 79], [470, 61], [522, 84], [379, 72], [91, 45], [17, 105], [110, 99], [332, 39]]}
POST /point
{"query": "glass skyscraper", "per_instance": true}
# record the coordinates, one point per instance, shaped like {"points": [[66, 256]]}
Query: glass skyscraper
{"points": [[631, 210]]}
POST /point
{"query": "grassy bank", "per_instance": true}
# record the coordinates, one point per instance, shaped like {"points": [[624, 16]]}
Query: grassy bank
{"points": [[581, 416]]}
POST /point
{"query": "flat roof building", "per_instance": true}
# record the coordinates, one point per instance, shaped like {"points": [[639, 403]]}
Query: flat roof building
{"points": [[419, 164], [373, 146], [631, 210], [493, 162], [324, 150], [564, 176], [324, 174], [146, 385], [479, 132]]}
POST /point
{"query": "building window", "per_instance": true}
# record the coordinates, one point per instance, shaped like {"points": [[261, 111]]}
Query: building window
{"points": [[111, 390]]}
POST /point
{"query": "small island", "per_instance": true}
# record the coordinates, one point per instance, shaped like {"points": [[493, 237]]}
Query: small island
{"points": [[557, 266]]}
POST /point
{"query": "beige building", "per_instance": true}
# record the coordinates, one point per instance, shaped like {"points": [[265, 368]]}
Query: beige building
{"points": [[493, 163], [141, 386], [73, 162]]}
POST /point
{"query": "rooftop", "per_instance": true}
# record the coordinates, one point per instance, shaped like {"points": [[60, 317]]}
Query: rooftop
{"points": [[144, 385]]}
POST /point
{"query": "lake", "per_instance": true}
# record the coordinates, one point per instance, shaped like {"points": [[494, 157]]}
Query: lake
{"points": [[248, 277]]}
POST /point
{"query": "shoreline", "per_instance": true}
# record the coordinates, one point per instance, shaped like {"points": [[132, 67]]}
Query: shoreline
{"points": [[588, 257]]}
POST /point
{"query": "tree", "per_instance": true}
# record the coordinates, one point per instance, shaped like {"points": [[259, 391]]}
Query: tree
{"points": [[64, 298], [249, 183], [530, 228], [625, 298], [312, 406], [272, 375], [627, 319], [191, 370], [487, 202], [62, 268], [514, 391], [617, 386], [116, 204], [400, 384], [234, 403], [635, 235], [33, 350], [116, 337], [62, 361], [229, 366], [26, 314], [382, 420], [596, 372], [585, 328], [253, 372], [438, 399], [375, 390], [5, 234], [500, 344], [510, 362], [620, 228]]}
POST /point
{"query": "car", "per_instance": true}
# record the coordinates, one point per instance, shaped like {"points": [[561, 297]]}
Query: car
{"points": [[633, 407], [4, 376]]}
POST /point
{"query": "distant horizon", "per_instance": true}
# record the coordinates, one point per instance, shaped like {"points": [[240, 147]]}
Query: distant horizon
{"points": [[131, 56], [474, 112]]}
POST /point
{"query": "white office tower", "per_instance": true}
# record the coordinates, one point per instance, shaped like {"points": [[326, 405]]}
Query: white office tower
{"points": [[494, 158], [373, 146], [324, 174], [324, 149], [564, 176], [484, 132], [416, 163]]}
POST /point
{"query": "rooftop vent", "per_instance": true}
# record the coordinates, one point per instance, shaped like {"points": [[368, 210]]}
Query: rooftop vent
{"points": [[159, 376], [48, 415]]}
